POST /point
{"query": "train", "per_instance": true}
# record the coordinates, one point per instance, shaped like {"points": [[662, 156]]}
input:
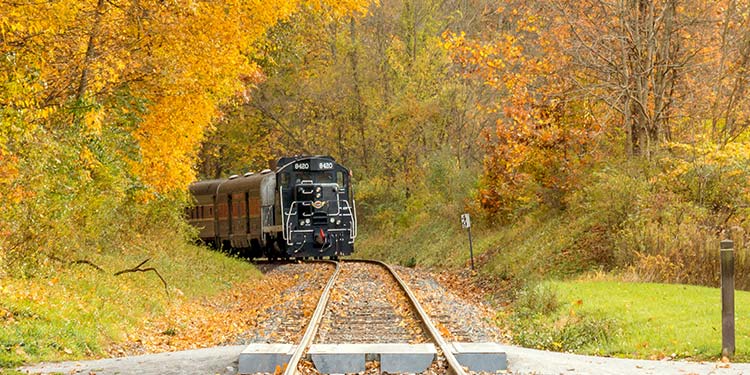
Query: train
{"points": [[302, 209]]}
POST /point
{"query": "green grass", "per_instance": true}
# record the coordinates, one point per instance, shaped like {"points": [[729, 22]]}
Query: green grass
{"points": [[654, 320], [429, 242], [532, 248], [74, 311]]}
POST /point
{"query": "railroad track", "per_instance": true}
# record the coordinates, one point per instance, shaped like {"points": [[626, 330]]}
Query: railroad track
{"points": [[352, 315]]}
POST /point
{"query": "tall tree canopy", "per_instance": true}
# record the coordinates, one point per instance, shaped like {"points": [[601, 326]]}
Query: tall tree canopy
{"points": [[181, 59], [104, 103]]}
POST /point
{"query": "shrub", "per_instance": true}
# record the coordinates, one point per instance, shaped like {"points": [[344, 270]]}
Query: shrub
{"points": [[533, 300], [536, 323]]}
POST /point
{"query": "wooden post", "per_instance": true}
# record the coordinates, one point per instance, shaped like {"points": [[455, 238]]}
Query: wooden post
{"points": [[727, 298]]}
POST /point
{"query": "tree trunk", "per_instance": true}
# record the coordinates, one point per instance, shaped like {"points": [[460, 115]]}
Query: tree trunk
{"points": [[90, 50]]}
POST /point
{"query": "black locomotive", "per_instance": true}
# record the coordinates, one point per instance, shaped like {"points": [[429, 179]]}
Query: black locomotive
{"points": [[303, 209]]}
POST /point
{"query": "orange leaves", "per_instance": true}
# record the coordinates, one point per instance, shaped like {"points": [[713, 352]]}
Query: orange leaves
{"points": [[540, 134], [247, 307]]}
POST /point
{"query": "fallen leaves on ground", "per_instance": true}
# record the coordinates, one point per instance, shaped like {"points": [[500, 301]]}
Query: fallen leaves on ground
{"points": [[223, 318], [454, 300]]}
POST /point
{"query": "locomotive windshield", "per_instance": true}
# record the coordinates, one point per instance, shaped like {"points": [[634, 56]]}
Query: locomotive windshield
{"points": [[315, 177]]}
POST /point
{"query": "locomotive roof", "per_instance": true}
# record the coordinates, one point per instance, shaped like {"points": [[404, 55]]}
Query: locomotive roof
{"points": [[244, 183], [206, 187]]}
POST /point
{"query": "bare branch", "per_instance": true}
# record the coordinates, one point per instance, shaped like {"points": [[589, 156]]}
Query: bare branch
{"points": [[77, 261], [139, 269]]}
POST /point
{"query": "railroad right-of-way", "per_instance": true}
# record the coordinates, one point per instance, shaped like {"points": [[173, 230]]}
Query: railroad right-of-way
{"points": [[368, 319], [314, 312]]}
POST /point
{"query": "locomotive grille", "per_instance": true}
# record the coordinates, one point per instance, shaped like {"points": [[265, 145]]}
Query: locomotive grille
{"points": [[320, 218]]}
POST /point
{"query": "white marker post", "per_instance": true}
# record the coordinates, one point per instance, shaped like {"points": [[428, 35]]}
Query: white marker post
{"points": [[466, 224]]}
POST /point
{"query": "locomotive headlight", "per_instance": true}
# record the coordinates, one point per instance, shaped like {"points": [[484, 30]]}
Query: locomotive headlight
{"points": [[317, 195], [333, 220], [338, 222], [302, 223], [307, 221], [317, 189]]}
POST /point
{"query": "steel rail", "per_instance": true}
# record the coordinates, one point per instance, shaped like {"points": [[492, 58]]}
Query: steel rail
{"points": [[312, 327], [453, 363]]}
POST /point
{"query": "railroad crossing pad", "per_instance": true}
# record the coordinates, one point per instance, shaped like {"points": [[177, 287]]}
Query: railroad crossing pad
{"points": [[350, 358], [481, 356], [265, 357]]}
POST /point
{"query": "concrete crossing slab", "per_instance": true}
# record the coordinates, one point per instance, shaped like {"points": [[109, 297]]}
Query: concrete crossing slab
{"points": [[350, 358], [481, 356], [265, 357]]}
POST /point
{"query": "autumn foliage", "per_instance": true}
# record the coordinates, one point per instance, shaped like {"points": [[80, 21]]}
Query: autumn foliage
{"points": [[104, 104], [581, 83], [542, 136], [626, 120]]}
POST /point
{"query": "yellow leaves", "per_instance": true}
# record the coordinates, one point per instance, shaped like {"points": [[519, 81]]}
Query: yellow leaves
{"points": [[93, 121], [183, 58], [202, 64], [340, 8], [169, 137]]}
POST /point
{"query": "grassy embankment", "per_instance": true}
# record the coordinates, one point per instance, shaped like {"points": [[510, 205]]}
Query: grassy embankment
{"points": [[621, 226], [75, 311], [612, 318], [644, 320]]}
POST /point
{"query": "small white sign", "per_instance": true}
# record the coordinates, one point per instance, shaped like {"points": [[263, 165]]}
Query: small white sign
{"points": [[465, 221]]}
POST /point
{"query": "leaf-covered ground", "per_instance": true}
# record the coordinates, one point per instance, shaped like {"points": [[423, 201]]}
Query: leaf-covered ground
{"points": [[368, 306], [274, 308], [456, 303], [72, 312]]}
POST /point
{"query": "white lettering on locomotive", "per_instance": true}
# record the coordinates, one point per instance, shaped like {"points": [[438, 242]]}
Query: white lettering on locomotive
{"points": [[325, 165]]}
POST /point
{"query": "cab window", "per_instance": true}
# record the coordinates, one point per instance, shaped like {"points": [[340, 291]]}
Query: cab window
{"points": [[340, 179]]}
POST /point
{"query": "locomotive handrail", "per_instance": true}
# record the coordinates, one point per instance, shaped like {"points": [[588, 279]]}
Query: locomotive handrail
{"points": [[354, 218], [353, 214], [283, 224], [287, 233], [288, 236]]}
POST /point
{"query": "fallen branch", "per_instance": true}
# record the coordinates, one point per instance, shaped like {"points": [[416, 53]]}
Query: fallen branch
{"points": [[89, 263], [77, 261], [139, 269]]}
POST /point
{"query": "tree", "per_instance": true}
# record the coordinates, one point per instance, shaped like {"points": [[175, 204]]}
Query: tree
{"points": [[376, 91], [104, 105], [634, 56], [543, 136]]}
